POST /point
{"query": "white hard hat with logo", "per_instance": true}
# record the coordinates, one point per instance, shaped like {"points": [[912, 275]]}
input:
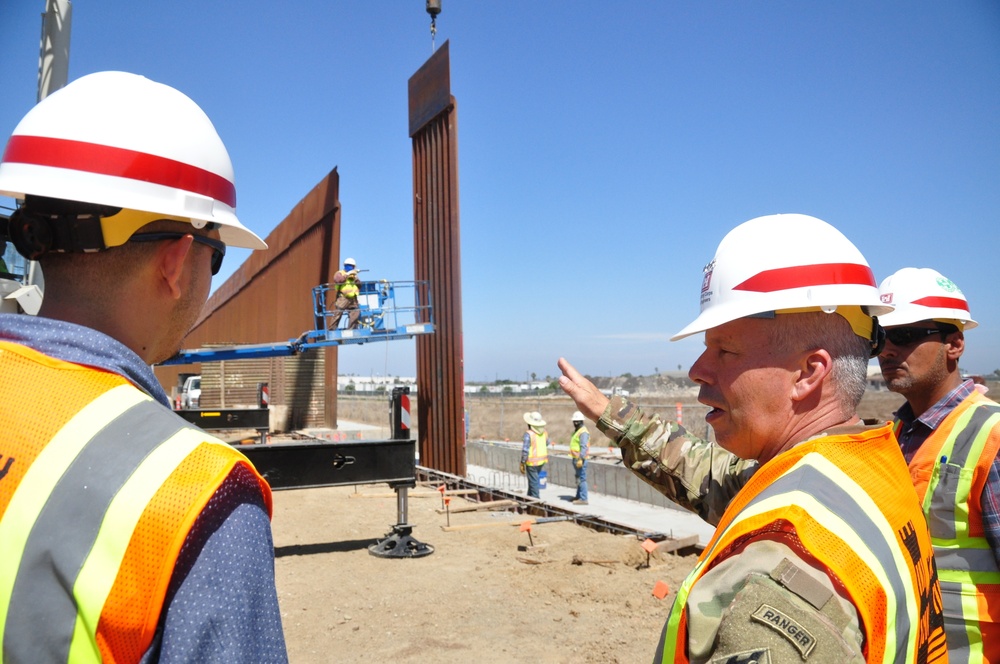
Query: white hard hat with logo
{"points": [[786, 262], [123, 141], [577, 416], [924, 294]]}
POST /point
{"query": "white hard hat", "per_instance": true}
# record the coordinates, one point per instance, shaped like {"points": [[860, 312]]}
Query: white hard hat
{"points": [[350, 261], [534, 419], [577, 416], [781, 262], [124, 141], [924, 294]]}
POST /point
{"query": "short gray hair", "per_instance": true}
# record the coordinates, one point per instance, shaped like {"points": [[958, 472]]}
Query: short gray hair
{"points": [[833, 333]]}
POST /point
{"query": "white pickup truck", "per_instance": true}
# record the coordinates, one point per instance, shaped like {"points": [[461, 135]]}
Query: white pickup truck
{"points": [[191, 392]]}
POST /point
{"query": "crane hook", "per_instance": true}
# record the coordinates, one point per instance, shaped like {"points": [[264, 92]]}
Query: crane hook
{"points": [[433, 8]]}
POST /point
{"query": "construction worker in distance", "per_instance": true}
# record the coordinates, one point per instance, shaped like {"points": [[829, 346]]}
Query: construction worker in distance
{"points": [[949, 434], [820, 553], [534, 452], [579, 450], [126, 534], [346, 288]]}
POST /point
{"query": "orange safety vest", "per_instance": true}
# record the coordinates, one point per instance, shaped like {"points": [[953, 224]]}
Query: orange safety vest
{"points": [[99, 488], [847, 499], [538, 452], [949, 472], [349, 288]]}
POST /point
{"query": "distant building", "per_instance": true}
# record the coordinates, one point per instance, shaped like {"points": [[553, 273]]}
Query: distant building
{"points": [[875, 380], [375, 384], [508, 388]]}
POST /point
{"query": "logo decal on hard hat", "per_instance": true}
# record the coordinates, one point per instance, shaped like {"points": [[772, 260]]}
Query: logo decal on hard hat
{"points": [[886, 298], [706, 282], [947, 284]]}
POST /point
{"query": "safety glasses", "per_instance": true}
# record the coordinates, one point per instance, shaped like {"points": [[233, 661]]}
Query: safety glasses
{"points": [[218, 247], [908, 336]]}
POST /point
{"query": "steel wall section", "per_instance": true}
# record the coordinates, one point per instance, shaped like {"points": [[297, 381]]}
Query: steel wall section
{"points": [[269, 298], [436, 251], [296, 384]]}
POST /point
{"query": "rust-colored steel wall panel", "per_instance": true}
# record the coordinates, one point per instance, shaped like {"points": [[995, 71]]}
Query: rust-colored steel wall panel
{"points": [[296, 386], [437, 259], [269, 297]]}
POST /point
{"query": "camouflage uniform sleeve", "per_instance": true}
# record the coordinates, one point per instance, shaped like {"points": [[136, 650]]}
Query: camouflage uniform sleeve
{"points": [[767, 604], [694, 473]]}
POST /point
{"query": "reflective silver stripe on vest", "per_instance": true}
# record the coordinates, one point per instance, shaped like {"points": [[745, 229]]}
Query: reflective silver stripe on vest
{"points": [[807, 479], [965, 559], [941, 514], [67, 525], [954, 627]]}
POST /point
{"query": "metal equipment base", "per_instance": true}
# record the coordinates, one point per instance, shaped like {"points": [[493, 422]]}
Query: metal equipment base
{"points": [[400, 544]]}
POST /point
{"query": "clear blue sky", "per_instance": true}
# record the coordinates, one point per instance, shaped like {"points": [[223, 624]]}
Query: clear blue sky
{"points": [[604, 147]]}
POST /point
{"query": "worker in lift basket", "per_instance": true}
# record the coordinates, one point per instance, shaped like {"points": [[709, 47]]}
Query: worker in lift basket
{"points": [[821, 553], [128, 534], [346, 288]]}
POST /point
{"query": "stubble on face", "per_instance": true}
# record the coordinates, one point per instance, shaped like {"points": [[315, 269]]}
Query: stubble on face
{"points": [[924, 367]]}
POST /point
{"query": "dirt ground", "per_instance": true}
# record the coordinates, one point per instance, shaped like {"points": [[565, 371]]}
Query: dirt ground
{"points": [[477, 597]]}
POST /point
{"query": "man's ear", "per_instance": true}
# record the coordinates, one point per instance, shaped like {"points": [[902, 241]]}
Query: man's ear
{"points": [[170, 264], [955, 345], [814, 366]]}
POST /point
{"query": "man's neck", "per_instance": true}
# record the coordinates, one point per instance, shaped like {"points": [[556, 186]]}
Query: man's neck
{"points": [[92, 317], [921, 401]]}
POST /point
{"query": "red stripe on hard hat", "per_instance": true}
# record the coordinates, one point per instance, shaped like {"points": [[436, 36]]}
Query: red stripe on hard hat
{"points": [[118, 162], [802, 276], [943, 302]]}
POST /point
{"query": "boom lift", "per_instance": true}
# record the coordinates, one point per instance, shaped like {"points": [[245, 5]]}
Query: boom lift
{"points": [[388, 310]]}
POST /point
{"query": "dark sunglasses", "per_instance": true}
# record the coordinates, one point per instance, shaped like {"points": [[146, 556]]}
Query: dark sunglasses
{"points": [[218, 246], [907, 336]]}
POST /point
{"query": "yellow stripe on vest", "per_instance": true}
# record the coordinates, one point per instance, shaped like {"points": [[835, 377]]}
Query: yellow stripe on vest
{"points": [[39, 480], [99, 571], [848, 534]]}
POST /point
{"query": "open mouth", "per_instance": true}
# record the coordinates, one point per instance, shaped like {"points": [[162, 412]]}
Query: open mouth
{"points": [[713, 411]]}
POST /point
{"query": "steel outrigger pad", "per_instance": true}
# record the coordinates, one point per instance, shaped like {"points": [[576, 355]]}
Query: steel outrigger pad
{"points": [[400, 544]]}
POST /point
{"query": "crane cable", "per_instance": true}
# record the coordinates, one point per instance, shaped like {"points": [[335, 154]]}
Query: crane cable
{"points": [[433, 8]]}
